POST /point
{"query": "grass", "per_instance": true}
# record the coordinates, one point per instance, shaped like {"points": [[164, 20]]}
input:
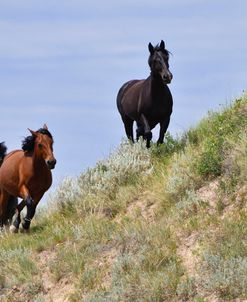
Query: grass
{"points": [[126, 229]]}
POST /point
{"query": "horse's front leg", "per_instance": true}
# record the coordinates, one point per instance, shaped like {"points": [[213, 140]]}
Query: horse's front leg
{"points": [[31, 207], [163, 127], [147, 130]]}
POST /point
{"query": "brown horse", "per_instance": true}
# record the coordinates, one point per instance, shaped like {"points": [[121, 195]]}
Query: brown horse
{"points": [[27, 174], [148, 102]]}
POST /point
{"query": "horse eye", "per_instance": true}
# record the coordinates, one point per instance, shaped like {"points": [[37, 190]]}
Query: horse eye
{"points": [[40, 146]]}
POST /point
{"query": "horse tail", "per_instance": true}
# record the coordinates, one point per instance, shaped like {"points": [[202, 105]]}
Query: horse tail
{"points": [[3, 150]]}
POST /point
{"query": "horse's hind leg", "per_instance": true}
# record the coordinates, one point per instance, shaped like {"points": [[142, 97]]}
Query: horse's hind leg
{"points": [[3, 207], [17, 217], [128, 125], [25, 195], [139, 131], [147, 131], [11, 208]]}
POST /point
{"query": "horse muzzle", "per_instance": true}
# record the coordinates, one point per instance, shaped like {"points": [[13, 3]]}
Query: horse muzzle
{"points": [[167, 78], [51, 163]]}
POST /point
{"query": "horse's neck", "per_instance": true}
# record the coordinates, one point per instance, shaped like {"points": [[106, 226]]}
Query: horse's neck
{"points": [[38, 162], [156, 87]]}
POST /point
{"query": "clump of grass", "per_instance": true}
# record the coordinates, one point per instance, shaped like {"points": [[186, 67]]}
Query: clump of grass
{"points": [[170, 146], [88, 239], [189, 212], [214, 132], [148, 267], [186, 289], [181, 174], [223, 267], [234, 164], [128, 164], [17, 266], [190, 204], [210, 161], [226, 277]]}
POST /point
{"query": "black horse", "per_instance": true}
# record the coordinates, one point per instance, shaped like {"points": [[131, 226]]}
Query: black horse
{"points": [[148, 102]]}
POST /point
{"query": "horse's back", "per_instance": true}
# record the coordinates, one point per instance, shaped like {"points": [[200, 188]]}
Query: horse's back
{"points": [[9, 171], [18, 153], [11, 160]]}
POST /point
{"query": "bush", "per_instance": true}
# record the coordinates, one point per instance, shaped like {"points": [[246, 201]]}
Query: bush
{"points": [[127, 165], [210, 161], [226, 277]]}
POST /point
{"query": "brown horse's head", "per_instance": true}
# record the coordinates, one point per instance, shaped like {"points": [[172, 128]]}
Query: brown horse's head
{"points": [[41, 142], [158, 62]]}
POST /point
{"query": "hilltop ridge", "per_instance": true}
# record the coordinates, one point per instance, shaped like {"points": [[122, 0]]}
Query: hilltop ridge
{"points": [[165, 224]]}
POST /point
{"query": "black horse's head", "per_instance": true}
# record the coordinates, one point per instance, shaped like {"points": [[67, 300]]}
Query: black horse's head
{"points": [[158, 61]]}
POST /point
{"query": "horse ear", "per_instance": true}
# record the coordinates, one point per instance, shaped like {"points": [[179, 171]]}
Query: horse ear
{"points": [[34, 133], [162, 45], [45, 127], [150, 48]]}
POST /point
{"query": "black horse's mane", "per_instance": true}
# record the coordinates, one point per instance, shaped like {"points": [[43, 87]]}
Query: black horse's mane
{"points": [[165, 51], [28, 142], [3, 150]]}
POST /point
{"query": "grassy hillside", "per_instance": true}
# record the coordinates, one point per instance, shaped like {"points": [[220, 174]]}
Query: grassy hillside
{"points": [[166, 224]]}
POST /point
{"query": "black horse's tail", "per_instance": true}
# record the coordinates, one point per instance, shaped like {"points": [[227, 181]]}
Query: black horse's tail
{"points": [[3, 150]]}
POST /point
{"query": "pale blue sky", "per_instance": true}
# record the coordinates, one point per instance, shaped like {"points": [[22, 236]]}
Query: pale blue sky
{"points": [[62, 63]]}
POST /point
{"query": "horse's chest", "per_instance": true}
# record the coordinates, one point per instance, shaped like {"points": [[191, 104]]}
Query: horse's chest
{"points": [[157, 112], [40, 183]]}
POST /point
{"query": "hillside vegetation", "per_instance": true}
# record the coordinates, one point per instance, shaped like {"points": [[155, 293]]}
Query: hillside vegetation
{"points": [[164, 224]]}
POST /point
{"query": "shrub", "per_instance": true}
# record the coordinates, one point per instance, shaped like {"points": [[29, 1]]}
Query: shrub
{"points": [[189, 205], [226, 277], [170, 146], [128, 164], [181, 175]]}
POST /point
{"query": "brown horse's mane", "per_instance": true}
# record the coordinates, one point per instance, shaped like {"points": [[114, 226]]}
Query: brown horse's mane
{"points": [[28, 142]]}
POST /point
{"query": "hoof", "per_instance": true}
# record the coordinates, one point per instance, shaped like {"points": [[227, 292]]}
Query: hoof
{"points": [[13, 229], [23, 230], [148, 135]]}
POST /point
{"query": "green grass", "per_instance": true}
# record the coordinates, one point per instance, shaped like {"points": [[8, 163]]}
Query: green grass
{"points": [[126, 229]]}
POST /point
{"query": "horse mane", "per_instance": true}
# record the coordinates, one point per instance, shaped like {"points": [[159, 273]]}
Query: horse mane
{"points": [[165, 51], [29, 141]]}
